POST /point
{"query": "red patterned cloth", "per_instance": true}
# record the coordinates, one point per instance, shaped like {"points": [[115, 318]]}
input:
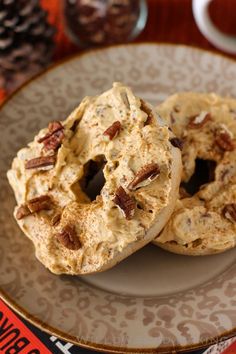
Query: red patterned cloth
{"points": [[225, 347]]}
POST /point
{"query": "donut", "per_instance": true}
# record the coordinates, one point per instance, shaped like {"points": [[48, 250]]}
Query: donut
{"points": [[93, 189], [204, 219]]}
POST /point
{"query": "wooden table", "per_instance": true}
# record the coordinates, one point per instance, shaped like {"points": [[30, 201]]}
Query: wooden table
{"points": [[168, 21]]}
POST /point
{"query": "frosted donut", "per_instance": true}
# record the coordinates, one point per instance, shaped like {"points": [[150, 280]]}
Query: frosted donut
{"points": [[203, 222], [93, 189]]}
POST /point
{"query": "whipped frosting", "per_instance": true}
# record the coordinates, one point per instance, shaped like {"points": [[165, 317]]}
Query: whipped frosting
{"points": [[100, 224], [198, 224]]}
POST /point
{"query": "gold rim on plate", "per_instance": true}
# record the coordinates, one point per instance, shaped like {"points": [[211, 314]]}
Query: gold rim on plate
{"points": [[64, 336]]}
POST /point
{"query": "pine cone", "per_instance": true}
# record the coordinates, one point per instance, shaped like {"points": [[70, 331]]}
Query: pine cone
{"points": [[26, 41]]}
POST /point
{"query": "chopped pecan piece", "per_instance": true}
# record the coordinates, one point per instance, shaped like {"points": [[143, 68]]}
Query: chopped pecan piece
{"points": [[178, 143], [113, 130], [56, 219], [199, 121], [144, 107], [148, 172], [229, 212], [224, 140], [53, 139], [125, 202], [34, 205], [53, 127], [42, 161], [75, 125], [22, 212], [68, 238], [40, 203]]}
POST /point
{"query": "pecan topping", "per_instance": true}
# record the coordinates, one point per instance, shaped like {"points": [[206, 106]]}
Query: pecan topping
{"points": [[198, 121], [42, 161], [68, 238], [229, 212], [144, 107], [53, 139], [124, 202], [40, 203], [34, 205], [224, 140], [22, 212], [148, 172], [113, 130], [178, 143], [53, 127], [56, 219]]}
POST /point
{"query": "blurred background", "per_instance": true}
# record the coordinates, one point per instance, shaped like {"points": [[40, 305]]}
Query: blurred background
{"points": [[37, 33]]}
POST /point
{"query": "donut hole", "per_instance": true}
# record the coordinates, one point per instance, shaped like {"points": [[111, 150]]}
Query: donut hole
{"points": [[93, 179], [204, 173]]}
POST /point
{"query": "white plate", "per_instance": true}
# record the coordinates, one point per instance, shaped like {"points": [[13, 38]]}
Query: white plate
{"points": [[153, 301]]}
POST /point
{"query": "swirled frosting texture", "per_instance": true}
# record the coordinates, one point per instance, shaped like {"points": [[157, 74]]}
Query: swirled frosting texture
{"points": [[205, 222], [100, 224]]}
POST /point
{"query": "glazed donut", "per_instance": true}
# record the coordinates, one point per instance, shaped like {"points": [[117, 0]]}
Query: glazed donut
{"points": [[97, 187], [204, 220]]}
